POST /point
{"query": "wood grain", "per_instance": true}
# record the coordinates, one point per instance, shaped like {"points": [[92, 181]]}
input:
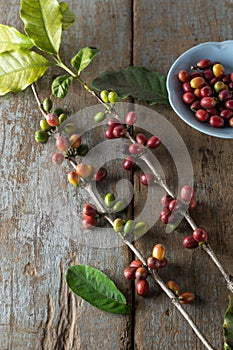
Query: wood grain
{"points": [[40, 221]]}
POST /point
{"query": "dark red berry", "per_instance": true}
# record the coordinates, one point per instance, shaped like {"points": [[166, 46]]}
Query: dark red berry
{"points": [[129, 273], [135, 148], [119, 131], [142, 287], [202, 115], [216, 121], [186, 298], [89, 210], [184, 76], [141, 273], [109, 132], [189, 242], [186, 193], [153, 142], [204, 63], [136, 263], [147, 179], [164, 216], [188, 97], [89, 222], [130, 118], [165, 200], [200, 234], [141, 139], [128, 163], [187, 87], [113, 122], [100, 174]]}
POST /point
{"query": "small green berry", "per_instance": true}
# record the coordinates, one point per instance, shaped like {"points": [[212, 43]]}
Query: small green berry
{"points": [[62, 117], [58, 111], [109, 200], [44, 125], [112, 97], [47, 105], [82, 150], [129, 227], [41, 136], [104, 96], [118, 225], [99, 117], [118, 206], [140, 229], [70, 128]]}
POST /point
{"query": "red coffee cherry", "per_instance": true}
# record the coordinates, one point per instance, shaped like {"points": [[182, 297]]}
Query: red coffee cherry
{"points": [[200, 234], [186, 298], [186, 193], [136, 263], [142, 287], [153, 142], [129, 273], [189, 242], [147, 179], [141, 273], [89, 210]]}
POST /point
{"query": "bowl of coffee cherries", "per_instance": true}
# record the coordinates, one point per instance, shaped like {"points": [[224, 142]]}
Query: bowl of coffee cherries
{"points": [[200, 88]]}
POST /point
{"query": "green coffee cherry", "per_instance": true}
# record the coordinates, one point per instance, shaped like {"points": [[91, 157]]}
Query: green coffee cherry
{"points": [[104, 96], [129, 227], [112, 97], [118, 225], [109, 200], [47, 105], [58, 111], [70, 128], [62, 117], [118, 206], [41, 136], [99, 117], [140, 229], [82, 150], [44, 125]]}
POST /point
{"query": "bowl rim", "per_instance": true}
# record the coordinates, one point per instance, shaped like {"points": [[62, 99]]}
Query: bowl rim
{"points": [[208, 130]]}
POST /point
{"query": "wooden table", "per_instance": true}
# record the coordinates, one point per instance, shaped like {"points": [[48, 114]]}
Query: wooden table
{"points": [[37, 309]]}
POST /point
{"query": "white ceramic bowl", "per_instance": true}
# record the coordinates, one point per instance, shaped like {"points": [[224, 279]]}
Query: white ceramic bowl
{"points": [[215, 51]]}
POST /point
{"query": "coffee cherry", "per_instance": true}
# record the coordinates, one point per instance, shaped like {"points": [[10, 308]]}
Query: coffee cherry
{"points": [[200, 234], [129, 227], [89, 210], [140, 229], [226, 114], [62, 117], [112, 97], [208, 102], [141, 273], [73, 178], [135, 148], [75, 141], [104, 96], [197, 82], [129, 273], [41, 136], [52, 119], [100, 174], [187, 87], [47, 105], [218, 70], [173, 286], [153, 142], [82, 150], [89, 222], [142, 287], [113, 122], [128, 163], [219, 86], [109, 200], [206, 91], [147, 179], [109, 133], [118, 206], [216, 121], [229, 104], [118, 225], [204, 63], [62, 142], [136, 263], [58, 158], [186, 298], [189, 242], [119, 131], [84, 170], [130, 118], [165, 200], [44, 125], [159, 252], [152, 263], [165, 215], [141, 139], [186, 193], [99, 117], [58, 111], [208, 74], [183, 76], [188, 97]]}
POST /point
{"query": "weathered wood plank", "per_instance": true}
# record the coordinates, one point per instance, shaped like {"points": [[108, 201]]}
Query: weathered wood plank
{"points": [[162, 31], [40, 217]]}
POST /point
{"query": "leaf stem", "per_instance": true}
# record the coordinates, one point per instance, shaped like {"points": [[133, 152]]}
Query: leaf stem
{"points": [[38, 100]]}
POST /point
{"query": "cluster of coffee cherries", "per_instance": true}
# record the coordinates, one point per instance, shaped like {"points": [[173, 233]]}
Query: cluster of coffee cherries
{"points": [[86, 172], [185, 297], [173, 207], [90, 216], [137, 271], [50, 122], [198, 237], [208, 90]]}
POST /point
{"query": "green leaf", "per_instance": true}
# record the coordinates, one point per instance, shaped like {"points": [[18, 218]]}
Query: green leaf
{"points": [[68, 15], [97, 289], [83, 58], [43, 23], [11, 39], [228, 326], [19, 69], [61, 84], [137, 82]]}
